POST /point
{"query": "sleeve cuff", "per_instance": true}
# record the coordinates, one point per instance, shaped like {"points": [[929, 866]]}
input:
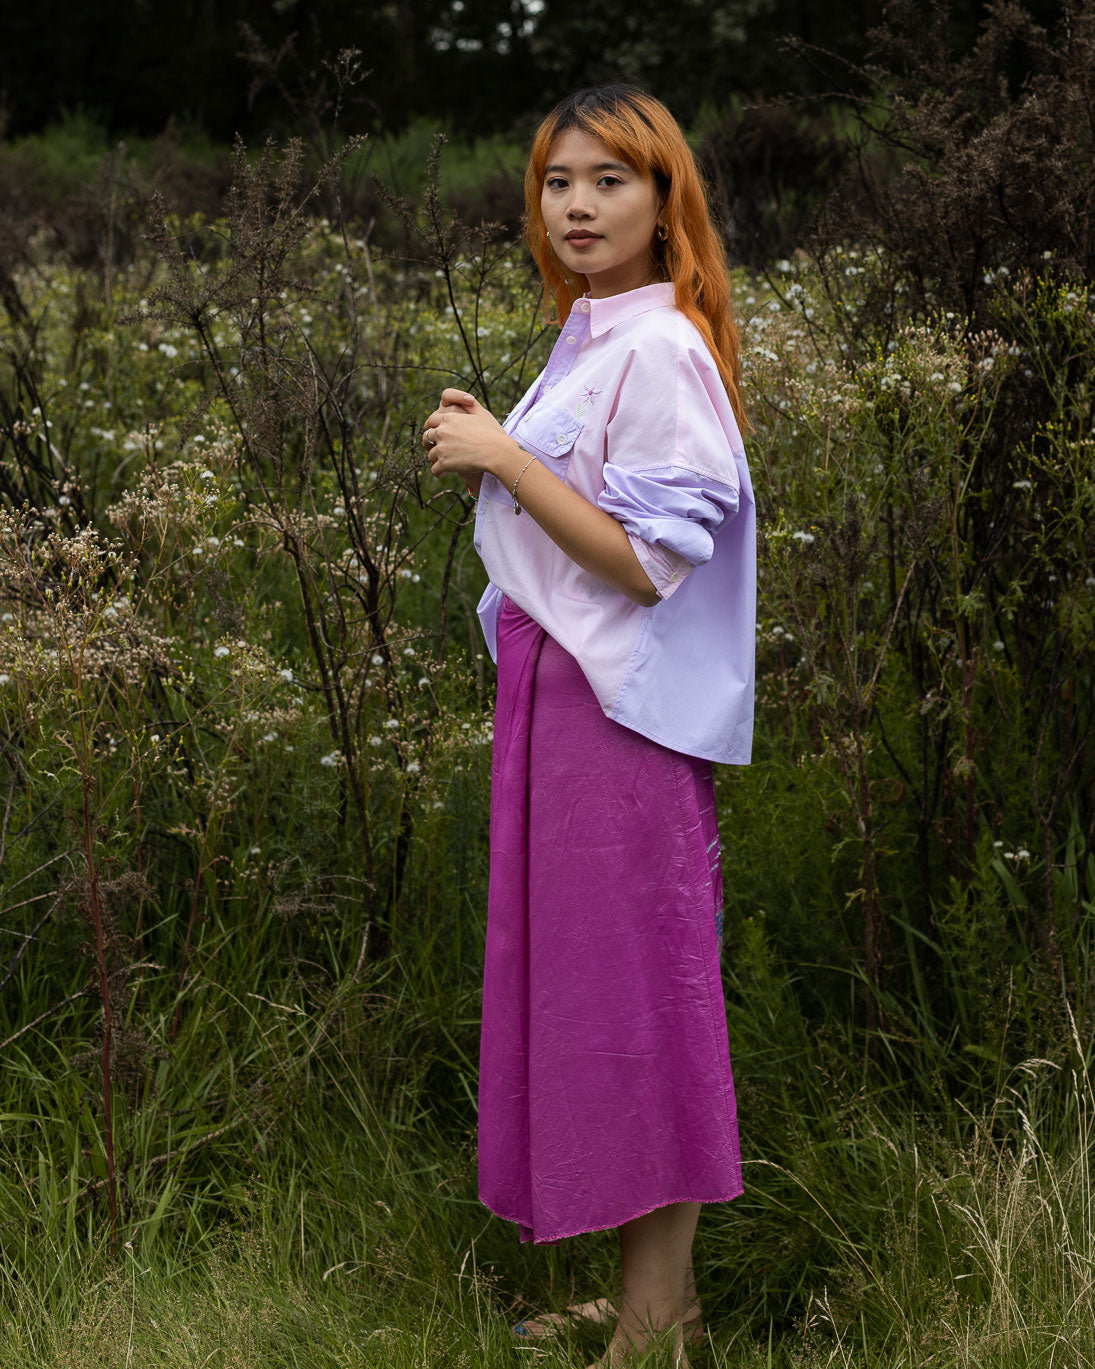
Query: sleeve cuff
{"points": [[665, 569]]}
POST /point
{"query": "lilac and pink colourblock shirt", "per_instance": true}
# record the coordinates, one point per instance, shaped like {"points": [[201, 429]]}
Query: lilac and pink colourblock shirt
{"points": [[631, 412]]}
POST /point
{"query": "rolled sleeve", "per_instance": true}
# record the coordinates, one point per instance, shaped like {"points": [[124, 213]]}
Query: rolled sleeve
{"points": [[670, 517], [665, 570]]}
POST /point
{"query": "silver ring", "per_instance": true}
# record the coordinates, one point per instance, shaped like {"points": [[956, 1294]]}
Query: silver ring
{"points": [[431, 438]]}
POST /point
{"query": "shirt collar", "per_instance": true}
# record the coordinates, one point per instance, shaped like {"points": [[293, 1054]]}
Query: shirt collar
{"points": [[613, 309]]}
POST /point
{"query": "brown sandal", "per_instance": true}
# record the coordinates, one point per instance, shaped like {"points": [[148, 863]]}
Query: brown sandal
{"points": [[596, 1313]]}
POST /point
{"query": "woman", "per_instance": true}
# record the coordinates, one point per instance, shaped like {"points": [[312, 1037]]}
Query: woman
{"points": [[621, 613]]}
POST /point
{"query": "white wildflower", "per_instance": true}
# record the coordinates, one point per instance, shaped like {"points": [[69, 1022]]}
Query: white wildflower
{"points": [[220, 651]]}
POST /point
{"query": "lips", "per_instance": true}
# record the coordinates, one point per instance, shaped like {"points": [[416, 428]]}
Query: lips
{"points": [[580, 237]]}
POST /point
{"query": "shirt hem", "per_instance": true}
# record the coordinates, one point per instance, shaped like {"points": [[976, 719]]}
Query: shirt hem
{"points": [[651, 735]]}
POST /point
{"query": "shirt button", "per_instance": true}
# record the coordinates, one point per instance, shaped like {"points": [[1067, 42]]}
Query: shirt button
{"points": [[561, 439], [572, 339], [584, 306]]}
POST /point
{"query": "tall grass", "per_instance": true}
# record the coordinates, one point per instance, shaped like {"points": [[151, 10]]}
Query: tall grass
{"points": [[336, 1222]]}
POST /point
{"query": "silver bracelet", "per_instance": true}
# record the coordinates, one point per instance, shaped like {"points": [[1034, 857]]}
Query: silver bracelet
{"points": [[524, 468]]}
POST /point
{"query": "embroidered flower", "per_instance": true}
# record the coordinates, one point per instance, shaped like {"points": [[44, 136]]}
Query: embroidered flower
{"points": [[589, 394]]}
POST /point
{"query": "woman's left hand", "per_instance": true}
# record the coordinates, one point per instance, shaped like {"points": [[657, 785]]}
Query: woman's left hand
{"points": [[463, 438]]}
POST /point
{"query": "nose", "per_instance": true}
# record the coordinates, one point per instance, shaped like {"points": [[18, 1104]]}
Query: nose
{"points": [[578, 208]]}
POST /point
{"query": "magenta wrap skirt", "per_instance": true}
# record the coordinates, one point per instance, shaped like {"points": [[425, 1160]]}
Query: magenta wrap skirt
{"points": [[605, 1088]]}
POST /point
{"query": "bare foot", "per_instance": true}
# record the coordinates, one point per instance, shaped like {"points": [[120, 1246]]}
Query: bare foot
{"points": [[623, 1353], [599, 1313]]}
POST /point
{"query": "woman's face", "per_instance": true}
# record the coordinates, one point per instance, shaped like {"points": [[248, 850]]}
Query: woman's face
{"points": [[601, 214]]}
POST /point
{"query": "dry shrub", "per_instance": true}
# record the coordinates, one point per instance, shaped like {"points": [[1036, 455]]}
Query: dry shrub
{"points": [[995, 150]]}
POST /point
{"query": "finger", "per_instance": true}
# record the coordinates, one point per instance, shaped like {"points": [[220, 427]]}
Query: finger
{"points": [[459, 398]]}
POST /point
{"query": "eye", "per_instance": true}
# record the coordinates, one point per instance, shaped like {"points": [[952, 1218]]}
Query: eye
{"points": [[555, 183], [610, 180]]}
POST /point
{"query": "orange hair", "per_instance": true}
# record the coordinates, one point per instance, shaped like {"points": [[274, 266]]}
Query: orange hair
{"points": [[642, 132]]}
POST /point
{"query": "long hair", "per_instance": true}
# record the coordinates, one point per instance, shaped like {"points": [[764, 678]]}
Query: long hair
{"points": [[642, 132]]}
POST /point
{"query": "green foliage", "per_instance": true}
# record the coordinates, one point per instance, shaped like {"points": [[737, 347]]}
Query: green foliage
{"points": [[246, 745]]}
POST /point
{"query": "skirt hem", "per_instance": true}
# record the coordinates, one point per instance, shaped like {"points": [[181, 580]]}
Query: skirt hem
{"points": [[606, 1226]]}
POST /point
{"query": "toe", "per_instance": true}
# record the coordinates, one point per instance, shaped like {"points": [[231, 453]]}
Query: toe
{"points": [[599, 1311]]}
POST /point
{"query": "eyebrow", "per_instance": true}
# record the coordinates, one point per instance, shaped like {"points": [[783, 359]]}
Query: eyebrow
{"points": [[600, 166]]}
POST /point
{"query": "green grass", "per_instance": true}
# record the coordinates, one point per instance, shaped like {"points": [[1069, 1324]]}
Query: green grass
{"points": [[332, 1219]]}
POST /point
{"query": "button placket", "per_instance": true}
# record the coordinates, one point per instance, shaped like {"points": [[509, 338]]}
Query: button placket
{"points": [[565, 352]]}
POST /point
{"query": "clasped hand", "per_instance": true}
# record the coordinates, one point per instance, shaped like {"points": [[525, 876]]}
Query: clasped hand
{"points": [[463, 438]]}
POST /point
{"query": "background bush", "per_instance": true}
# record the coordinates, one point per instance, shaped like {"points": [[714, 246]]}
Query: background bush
{"points": [[246, 735]]}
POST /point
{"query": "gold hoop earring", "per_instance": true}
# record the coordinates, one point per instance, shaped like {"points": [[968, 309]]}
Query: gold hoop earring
{"points": [[547, 235], [663, 233]]}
